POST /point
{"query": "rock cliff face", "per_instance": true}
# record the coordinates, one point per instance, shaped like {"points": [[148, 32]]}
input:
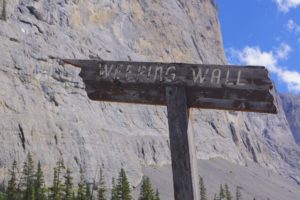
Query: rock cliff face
{"points": [[291, 105], [44, 108]]}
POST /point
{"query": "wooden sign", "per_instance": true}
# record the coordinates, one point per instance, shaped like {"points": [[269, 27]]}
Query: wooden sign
{"points": [[227, 87], [180, 86]]}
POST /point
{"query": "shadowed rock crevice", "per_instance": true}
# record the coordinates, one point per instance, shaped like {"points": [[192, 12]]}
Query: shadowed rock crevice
{"points": [[248, 145], [35, 13], [216, 129], [233, 133], [197, 49], [22, 137]]}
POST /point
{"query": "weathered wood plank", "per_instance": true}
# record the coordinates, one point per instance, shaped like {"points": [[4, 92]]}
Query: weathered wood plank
{"points": [[185, 177], [225, 87], [216, 98], [249, 77]]}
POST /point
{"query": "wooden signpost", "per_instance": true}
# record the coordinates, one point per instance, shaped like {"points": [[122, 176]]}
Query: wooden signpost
{"points": [[180, 86]]}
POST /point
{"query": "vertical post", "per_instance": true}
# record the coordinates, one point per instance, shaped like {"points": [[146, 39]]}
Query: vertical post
{"points": [[185, 177]]}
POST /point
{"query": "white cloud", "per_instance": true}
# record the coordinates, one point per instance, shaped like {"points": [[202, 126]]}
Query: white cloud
{"points": [[283, 51], [270, 59], [293, 26], [286, 5], [292, 78]]}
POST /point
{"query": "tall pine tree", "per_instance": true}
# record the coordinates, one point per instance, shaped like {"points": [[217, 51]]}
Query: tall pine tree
{"points": [[28, 179], [101, 188], [216, 197], [57, 187], [146, 191], [3, 11], [157, 195], [203, 195], [238, 194], [227, 193], [222, 193], [2, 196], [11, 191], [123, 186], [40, 188], [88, 193], [114, 191], [81, 192], [68, 189]]}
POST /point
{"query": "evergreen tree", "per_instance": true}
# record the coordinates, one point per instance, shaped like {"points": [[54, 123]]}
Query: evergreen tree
{"points": [[88, 193], [57, 187], [68, 189], [2, 196], [146, 191], [32, 195], [238, 194], [101, 187], [2, 191], [12, 189], [40, 189], [123, 187], [203, 195], [227, 193], [3, 10], [81, 193], [222, 193], [28, 179], [216, 197], [157, 195], [74, 196], [114, 190]]}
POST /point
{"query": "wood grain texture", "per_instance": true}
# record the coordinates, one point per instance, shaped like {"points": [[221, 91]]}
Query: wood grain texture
{"points": [[185, 177], [225, 87]]}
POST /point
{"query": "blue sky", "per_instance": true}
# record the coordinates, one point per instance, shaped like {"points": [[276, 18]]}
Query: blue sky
{"points": [[264, 32]]}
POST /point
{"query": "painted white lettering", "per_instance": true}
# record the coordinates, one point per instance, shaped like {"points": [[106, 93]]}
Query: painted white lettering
{"points": [[101, 70], [238, 82], [117, 71], [199, 75], [160, 71], [149, 72], [141, 72], [227, 78], [108, 70], [128, 72], [172, 75], [216, 76]]}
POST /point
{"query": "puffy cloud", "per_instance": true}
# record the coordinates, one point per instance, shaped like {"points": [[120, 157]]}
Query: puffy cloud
{"points": [[292, 78], [286, 5], [293, 26], [255, 56], [283, 51]]}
